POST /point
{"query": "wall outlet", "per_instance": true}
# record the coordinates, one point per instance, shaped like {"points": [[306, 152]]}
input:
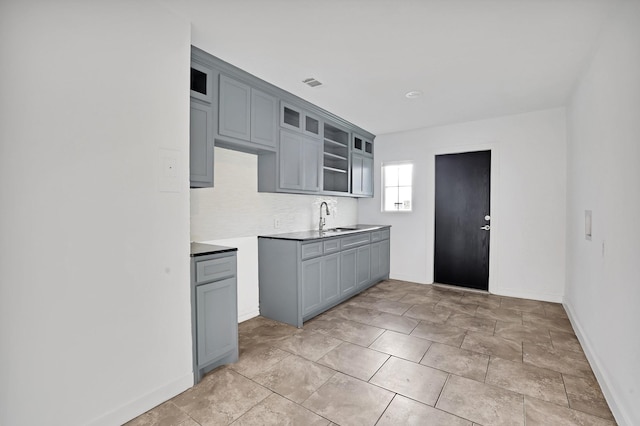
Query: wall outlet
{"points": [[276, 223]]}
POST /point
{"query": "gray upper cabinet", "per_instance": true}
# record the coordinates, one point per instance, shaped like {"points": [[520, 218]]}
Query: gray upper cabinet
{"points": [[290, 116], [362, 145], [246, 113], [202, 124], [290, 160], [202, 82], [311, 152], [234, 109], [361, 175], [335, 161], [361, 166], [311, 125], [299, 162], [264, 116], [295, 118], [201, 145]]}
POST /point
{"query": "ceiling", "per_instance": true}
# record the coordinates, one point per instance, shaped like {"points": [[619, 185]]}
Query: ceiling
{"points": [[472, 59]]}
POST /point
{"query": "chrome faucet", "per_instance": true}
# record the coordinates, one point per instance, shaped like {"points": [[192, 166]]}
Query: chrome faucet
{"points": [[323, 220]]}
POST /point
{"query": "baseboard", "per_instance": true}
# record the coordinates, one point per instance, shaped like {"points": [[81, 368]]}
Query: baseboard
{"points": [[545, 297], [620, 414], [143, 404], [248, 316], [408, 278]]}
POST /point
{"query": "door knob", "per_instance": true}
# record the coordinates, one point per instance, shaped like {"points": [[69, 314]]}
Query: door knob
{"points": [[485, 228]]}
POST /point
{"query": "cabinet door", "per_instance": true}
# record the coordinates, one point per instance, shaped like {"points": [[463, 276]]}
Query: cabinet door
{"points": [[290, 155], [264, 118], [385, 254], [311, 164], [290, 116], [348, 271], [311, 285], [367, 176], [361, 175], [312, 125], [330, 278], [216, 319], [376, 249], [201, 82], [299, 162], [363, 265], [201, 145], [357, 163], [234, 109]]}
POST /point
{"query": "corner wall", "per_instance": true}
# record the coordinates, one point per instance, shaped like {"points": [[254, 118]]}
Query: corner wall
{"points": [[94, 258], [528, 200], [603, 274]]}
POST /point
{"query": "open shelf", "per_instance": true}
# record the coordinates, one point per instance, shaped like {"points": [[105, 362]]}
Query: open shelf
{"points": [[334, 170], [336, 159], [339, 157], [335, 180]]}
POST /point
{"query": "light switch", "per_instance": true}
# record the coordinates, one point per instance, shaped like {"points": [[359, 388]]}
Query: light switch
{"points": [[587, 225]]}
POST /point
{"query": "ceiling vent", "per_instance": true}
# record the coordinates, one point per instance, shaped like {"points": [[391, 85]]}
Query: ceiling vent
{"points": [[311, 82]]}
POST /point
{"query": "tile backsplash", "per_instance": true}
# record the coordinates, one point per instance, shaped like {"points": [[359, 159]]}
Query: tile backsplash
{"points": [[234, 207]]}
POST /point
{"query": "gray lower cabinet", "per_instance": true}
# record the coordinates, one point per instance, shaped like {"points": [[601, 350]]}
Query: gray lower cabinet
{"points": [[355, 269], [301, 279], [214, 312], [380, 252], [320, 282], [201, 144], [348, 275], [363, 266]]}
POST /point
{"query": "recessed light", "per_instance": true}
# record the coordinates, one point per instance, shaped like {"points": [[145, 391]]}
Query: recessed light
{"points": [[413, 94]]}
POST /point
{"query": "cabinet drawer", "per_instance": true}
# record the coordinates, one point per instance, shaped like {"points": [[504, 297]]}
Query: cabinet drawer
{"points": [[380, 235], [355, 240], [331, 246], [311, 249], [215, 269]]}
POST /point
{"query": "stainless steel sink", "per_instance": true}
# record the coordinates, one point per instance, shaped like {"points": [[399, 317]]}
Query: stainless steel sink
{"points": [[341, 229]]}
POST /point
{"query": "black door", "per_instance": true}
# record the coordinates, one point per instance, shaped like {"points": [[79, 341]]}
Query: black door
{"points": [[461, 254]]}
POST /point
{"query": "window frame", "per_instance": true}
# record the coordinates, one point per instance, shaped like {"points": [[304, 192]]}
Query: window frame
{"points": [[383, 187]]}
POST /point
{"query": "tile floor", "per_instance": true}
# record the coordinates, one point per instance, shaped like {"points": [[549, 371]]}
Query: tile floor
{"points": [[402, 354]]}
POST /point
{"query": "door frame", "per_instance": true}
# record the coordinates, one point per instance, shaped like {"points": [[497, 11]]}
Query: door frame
{"points": [[494, 236]]}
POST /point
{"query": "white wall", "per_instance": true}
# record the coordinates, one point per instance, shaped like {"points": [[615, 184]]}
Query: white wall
{"points": [[94, 259], [603, 275], [527, 256], [234, 213]]}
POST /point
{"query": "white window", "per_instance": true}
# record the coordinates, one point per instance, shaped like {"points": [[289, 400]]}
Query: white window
{"points": [[397, 181]]}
